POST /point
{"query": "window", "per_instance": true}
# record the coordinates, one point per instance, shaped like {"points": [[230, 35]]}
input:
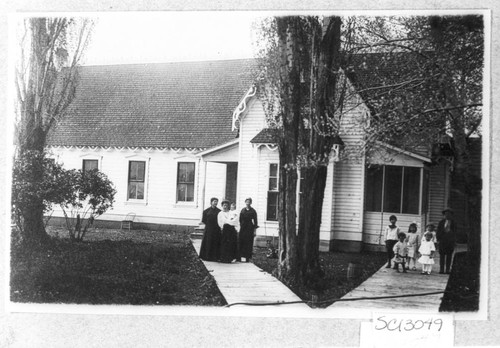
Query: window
{"points": [[272, 193], [185, 182], [136, 174], [90, 165], [393, 189]]}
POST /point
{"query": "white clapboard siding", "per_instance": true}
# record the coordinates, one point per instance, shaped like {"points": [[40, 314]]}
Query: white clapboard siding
{"points": [[249, 178], [160, 204], [437, 192], [347, 196]]}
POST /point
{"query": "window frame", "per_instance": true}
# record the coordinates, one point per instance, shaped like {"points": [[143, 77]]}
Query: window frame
{"points": [[402, 193], [146, 160], [194, 183], [88, 160], [274, 191]]}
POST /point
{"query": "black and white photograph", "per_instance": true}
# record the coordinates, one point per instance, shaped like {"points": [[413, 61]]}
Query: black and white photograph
{"points": [[217, 169]]}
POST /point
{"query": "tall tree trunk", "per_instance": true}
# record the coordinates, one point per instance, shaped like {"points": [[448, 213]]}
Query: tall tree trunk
{"points": [[288, 30], [318, 142], [311, 205], [33, 226]]}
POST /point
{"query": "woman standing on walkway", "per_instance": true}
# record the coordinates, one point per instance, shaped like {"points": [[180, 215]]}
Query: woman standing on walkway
{"points": [[248, 224], [210, 245], [229, 238]]}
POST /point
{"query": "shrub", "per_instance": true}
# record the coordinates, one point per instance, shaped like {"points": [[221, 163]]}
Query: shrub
{"points": [[93, 195], [82, 196]]}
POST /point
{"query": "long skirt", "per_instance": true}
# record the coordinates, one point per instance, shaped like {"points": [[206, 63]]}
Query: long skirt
{"points": [[229, 244], [245, 242], [210, 244]]}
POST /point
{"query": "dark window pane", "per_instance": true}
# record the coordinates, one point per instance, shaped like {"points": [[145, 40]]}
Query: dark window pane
{"points": [[190, 172], [273, 184], [273, 170], [185, 182], [181, 192], [140, 190], [411, 190], [190, 193], [272, 206], [373, 190], [186, 172], [132, 190], [392, 194], [136, 190], [137, 169], [89, 165], [136, 179]]}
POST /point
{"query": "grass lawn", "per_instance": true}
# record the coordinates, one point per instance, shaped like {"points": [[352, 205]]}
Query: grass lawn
{"points": [[335, 264], [113, 267]]}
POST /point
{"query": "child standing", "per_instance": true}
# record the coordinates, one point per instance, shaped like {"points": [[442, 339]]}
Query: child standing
{"points": [[401, 251], [427, 250], [391, 238], [432, 229], [234, 214], [413, 240]]}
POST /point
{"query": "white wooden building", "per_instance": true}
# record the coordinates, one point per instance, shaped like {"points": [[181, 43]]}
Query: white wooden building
{"points": [[171, 136]]}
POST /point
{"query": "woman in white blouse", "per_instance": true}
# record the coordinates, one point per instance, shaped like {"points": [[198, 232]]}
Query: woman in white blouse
{"points": [[229, 238]]}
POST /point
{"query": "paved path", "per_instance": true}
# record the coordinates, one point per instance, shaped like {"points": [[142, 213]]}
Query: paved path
{"points": [[245, 282], [388, 282]]}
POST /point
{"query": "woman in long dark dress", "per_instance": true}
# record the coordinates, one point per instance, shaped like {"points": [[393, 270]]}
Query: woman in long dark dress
{"points": [[229, 238], [248, 224], [210, 245]]}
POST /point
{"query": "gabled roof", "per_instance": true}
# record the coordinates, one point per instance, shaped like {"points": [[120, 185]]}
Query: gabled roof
{"points": [[266, 136], [168, 105], [405, 152], [217, 148]]}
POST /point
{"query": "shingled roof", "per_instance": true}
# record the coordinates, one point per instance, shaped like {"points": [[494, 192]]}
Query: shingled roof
{"points": [[168, 105]]}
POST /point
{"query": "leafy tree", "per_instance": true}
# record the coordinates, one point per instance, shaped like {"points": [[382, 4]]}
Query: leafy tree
{"points": [[426, 81], [46, 80], [93, 194], [426, 86], [301, 89]]}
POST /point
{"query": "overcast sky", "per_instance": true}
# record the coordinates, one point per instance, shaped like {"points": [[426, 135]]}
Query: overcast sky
{"points": [[122, 38]]}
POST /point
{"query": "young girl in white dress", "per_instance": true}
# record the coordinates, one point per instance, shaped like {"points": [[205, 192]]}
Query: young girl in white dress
{"points": [[413, 241], [427, 250]]}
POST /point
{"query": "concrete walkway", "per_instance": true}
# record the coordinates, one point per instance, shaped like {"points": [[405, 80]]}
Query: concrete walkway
{"points": [[388, 282], [243, 282]]}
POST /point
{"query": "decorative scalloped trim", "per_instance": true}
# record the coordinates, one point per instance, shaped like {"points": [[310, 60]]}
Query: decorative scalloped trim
{"points": [[129, 148], [270, 147], [242, 107]]}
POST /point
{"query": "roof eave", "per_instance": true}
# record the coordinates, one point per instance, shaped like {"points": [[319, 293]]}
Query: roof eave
{"points": [[405, 152], [218, 147]]}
